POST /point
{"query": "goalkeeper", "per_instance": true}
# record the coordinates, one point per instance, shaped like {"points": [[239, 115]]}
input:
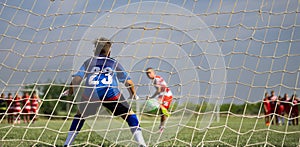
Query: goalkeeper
{"points": [[102, 74], [164, 95]]}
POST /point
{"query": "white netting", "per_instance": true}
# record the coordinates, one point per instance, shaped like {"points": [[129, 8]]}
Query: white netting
{"points": [[218, 58]]}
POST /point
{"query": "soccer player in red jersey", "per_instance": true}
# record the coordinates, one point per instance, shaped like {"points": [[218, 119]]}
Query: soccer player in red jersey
{"points": [[10, 108], [26, 107], [17, 108], [164, 94], [295, 109], [34, 101], [267, 108], [287, 106], [273, 101], [3, 106], [280, 110]]}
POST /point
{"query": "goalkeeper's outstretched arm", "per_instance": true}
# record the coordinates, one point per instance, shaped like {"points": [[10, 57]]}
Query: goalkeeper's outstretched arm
{"points": [[74, 83], [131, 89]]}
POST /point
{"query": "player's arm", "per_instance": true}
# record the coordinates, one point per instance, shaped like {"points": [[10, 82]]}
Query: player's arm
{"points": [[123, 77], [158, 90], [75, 82], [77, 78], [131, 89]]}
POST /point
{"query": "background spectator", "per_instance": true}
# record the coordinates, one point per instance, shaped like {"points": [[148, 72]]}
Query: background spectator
{"points": [[10, 108], [273, 102], [34, 102], [295, 110], [2, 106], [280, 110], [17, 108], [267, 109], [26, 107]]}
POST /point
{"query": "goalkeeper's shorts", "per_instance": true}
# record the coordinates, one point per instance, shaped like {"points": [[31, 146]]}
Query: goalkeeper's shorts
{"points": [[117, 106]]}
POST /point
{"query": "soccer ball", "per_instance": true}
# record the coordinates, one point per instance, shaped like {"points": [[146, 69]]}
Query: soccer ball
{"points": [[151, 106]]}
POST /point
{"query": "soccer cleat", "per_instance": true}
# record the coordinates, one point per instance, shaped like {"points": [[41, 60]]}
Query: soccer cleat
{"points": [[165, 112], [161, 129]]}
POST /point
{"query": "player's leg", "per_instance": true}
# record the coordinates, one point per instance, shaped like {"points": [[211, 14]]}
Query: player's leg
{"points": [[26, 116], [164, 115], [135, 129], [267, 118], [33, 115], [297, 118], [279, 116], [76, 125], [293, 119], [9, 116], [2, 116], [122, 108], [272, 114], [9, 119], [165, 105], [290, 118], [85, 109], [282, 118], [16, 119]]}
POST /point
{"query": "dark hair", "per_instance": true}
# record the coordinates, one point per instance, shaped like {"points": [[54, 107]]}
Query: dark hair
{"points": [[266, 94], [292, 97], [149, 68], [102, 46]]}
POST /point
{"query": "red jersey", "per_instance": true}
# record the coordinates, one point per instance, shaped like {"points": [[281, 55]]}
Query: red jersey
{"points": [[267, 104], [165, 95], [160, 82], [273, 101], [10, 105], [17, 104], [34, 104], [295, 109], [26, 104], [280, 108], [287, 106]]}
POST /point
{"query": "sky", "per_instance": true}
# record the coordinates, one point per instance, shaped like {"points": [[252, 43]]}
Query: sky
{"points": [[230, 50]]}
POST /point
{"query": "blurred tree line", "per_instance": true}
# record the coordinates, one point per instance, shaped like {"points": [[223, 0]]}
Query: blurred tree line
{"points": [[246, 108], [55, 106]]}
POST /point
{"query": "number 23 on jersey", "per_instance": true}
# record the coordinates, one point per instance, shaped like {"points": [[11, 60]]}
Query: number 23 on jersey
{"points": [[94, 79]]}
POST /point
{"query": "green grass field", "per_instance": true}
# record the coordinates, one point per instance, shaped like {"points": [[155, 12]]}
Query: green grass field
{"points": [[229, 131]]}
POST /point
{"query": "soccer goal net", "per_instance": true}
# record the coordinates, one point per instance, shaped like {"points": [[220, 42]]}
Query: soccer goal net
{"points": [[217, 58]]}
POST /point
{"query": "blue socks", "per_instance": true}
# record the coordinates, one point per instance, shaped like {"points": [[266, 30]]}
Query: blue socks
{"points": [[77, 123], [76, 126], [133, 122], [135, 129]]}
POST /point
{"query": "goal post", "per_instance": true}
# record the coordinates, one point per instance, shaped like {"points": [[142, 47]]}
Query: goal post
{"points": [[218, 58]]}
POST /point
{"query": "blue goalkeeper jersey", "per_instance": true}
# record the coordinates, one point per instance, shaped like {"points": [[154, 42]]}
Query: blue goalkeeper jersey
{"points": [[102, 75]]}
